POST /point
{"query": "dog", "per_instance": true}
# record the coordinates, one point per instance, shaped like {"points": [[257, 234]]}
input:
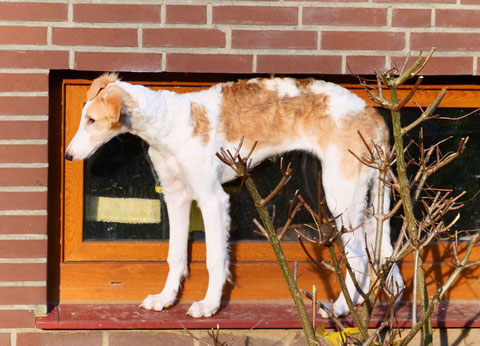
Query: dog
{"points": [[184, 131]]}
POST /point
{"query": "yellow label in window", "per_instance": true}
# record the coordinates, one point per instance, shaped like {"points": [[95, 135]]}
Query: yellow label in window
{"points": [[122, 210], [196, 220]]}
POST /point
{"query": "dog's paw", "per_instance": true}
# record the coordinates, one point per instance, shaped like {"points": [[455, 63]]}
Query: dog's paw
{"points": [[202, 309], [157, 302], [323, 313], [338, 310]]}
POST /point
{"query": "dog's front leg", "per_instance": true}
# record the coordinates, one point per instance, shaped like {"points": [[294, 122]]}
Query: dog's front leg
{"points": [[214, 207], [179, 201]]}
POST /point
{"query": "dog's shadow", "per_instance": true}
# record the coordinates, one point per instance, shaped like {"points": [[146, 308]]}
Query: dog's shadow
{"points": [[320, 280]]}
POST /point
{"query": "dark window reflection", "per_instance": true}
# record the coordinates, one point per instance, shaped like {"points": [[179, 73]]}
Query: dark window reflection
{"points": [[462, 174], [119, 194]]}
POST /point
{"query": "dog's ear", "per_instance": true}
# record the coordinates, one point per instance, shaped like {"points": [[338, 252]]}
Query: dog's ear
{"points": [[100, 83], [113, 97]]}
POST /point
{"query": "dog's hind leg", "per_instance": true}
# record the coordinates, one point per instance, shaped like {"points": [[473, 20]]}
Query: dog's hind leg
{"points": [[214, 205], [178, 200], [346, 195], [394, 280]]}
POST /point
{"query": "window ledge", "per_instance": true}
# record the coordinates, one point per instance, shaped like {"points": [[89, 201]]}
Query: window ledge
{"points": [[236, 315]]}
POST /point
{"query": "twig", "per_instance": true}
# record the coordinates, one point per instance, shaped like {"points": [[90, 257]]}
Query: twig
{"points": [[319, 264], [460, 118], [371, 339], [410, 94], [330, 314], [416, 67], [246, 332], [285, 178], [193, 336], [425, 115]]}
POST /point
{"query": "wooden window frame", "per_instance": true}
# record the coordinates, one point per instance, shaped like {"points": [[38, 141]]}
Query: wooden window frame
{"points": [[126, 271]]}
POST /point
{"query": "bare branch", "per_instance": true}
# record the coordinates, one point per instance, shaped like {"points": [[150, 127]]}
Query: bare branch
{"points": [[460, 118], [427, 114], [416, 67], [331, 316], [319, 264], [410, 94], [285, 178]]}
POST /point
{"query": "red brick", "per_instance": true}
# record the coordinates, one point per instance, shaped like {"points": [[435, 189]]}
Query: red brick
{"points": [[445, 41], [364, 64], [23, 154], [23, 35], [186, 14], [33, 11], [115, 13], [345, 16], [255, 15], [151, 338], [363, 40], [23, 249], [177, 62], [60, 338], [183, 38], [442, 65], [5, 339], [409, 18], [470, 2], [22, 295], [34, 59], [276, 39], [22, 200], [299, 64], [457, 18], [22, 272], [18, 105], [17, 319], [23, 82], [23, 177], [132, 62], [420, 1], [23, 224], [336, 0], [95, 37], [295, 338], [23, 130]]}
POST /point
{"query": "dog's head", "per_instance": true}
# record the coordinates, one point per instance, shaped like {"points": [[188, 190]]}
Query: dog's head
{"points": [[101, 118]]}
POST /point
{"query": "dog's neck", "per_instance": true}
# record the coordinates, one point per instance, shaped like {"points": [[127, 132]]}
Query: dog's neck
{"points": [[155, 116]]}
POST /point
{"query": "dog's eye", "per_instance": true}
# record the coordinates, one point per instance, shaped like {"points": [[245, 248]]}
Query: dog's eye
{"points": [[90, 121]]}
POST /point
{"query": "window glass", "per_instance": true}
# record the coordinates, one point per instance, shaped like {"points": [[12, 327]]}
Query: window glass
{"points": [[120, 201], [463, 173]]}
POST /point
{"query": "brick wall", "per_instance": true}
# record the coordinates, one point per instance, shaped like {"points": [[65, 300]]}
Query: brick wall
{"points": [[280, 36]]}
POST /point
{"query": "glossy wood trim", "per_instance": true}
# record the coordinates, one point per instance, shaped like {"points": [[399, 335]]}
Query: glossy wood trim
{"points": [[254, 281]]}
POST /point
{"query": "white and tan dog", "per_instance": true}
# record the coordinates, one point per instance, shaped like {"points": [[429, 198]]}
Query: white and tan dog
{"points": [[184, 131]]}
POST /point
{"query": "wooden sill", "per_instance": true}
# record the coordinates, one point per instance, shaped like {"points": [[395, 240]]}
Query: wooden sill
{"points": [[235, 315]]}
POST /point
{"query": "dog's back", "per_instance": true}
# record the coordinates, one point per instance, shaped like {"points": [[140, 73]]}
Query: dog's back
{"points": [[284, 114]]}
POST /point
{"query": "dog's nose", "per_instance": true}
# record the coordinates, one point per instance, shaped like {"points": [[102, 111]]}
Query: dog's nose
{"points": [[68, 156]]}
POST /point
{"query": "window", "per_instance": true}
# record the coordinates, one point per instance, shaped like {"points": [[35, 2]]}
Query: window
{"points": [[100, 252]]}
